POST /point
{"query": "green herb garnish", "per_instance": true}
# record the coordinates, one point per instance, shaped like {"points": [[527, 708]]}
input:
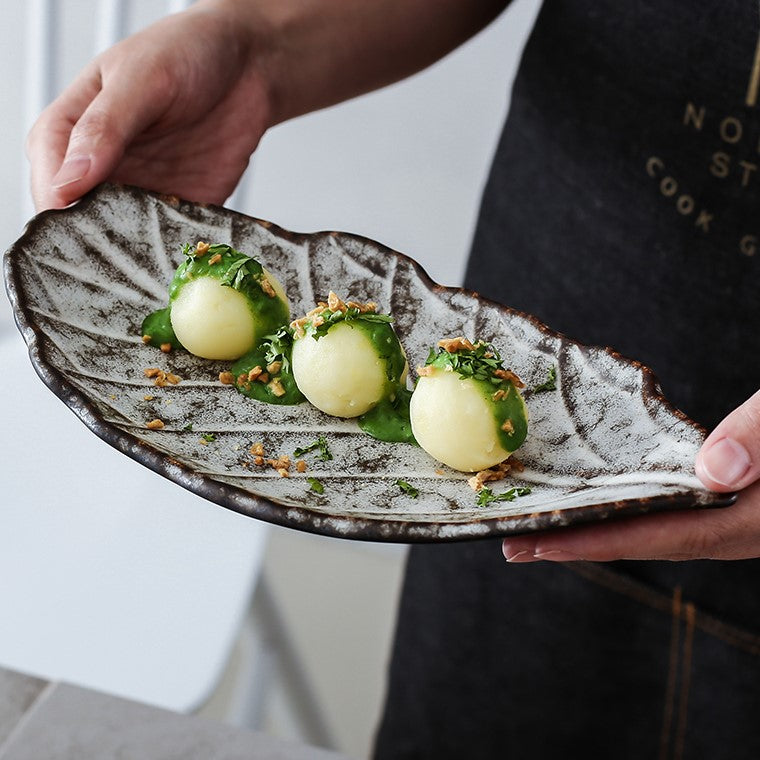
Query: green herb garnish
{"points": [[479, 363], [188, 428], [278, 348], [321, 444], [486, 495], [350, 314], [208, 437], [408, 488], [315, 485], [551, 382]]}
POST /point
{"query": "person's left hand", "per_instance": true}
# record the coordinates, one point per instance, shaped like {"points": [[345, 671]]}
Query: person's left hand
{"points": [[729, 460]]}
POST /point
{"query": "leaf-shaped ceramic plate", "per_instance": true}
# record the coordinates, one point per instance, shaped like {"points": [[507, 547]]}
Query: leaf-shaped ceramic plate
{"points": [[604, 443]]}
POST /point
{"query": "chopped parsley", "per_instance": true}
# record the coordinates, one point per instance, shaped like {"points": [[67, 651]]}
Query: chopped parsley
{"points": [[208, 437], [551, 382], [486, 495], [479, 363], [408, 488], [350, 314], [320, 444], [279, 347], [188, 428], [315, 485]]}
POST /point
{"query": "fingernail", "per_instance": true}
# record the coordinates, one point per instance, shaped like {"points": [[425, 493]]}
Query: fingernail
{"points": [[726, 462], [556, 555], [523, 556], [72, 170]]}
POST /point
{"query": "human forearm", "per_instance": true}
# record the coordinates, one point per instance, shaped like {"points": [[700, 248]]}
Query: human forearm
{"points": [[315, 53]]}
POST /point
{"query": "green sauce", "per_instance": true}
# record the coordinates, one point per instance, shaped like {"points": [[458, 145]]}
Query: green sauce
{"points": [[238, 271], [231, 268], [508, 408], [262, 356], [158, 327], [389, 419]]}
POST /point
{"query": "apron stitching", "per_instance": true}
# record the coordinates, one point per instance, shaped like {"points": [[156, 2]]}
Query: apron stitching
{"points": [[670, 689], [683, 703], [748, 642]]}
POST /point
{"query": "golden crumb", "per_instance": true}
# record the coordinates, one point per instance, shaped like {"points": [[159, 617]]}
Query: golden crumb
{"points": [[166, 347], [258, 461], [507, 374], [173, 379], [452, 345], [301, 465], [147, 338], [152, 372], [155, 424], [263, 377], [499, 472], [257, 449], [254, 373], [226, 378], [276, 387], [274, 368], [202, 248]]}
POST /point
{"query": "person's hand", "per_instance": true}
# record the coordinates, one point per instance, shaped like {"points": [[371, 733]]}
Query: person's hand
{"points": [[177, 108], [729, 460]]}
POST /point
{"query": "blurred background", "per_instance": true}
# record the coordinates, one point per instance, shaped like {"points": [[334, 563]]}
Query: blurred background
{"points": [[111, 577]]}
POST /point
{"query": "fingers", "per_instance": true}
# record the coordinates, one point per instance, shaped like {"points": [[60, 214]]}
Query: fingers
{"points": [[728, 533], [79, 140], [730, 457]]}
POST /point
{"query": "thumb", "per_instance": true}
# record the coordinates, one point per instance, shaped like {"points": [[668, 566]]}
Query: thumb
{"points": [[100, 138], [730, 456]]}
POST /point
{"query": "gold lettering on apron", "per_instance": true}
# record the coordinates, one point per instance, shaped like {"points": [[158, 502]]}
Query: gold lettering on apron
{"points": [[693, 116], [720, 163], [731, 130], [748, 245], [747, 173]]}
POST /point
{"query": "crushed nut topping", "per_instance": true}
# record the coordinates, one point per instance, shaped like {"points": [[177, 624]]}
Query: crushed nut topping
{"points": [[425, 371], [301, 465], [281, 464], [477, 481], [257, 449], [508, 426], [334, 304], [507, 374], [226, 378], [498, 395], [266, 286], [452, 345], [147, 338], [276, 387], [254, 373], [202, 248], [215, 259], [155, 424], [274, 367]]}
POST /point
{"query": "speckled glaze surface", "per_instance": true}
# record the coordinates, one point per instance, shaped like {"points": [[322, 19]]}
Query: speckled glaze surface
{"points": [[604, 444]]}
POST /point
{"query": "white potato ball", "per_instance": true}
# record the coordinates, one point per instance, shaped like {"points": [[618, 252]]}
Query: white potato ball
{"points": [[212, 320], [340, 373], [452, 419]]}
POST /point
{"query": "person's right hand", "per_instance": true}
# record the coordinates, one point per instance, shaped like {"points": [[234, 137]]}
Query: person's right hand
{"points": [[177, 108]]}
